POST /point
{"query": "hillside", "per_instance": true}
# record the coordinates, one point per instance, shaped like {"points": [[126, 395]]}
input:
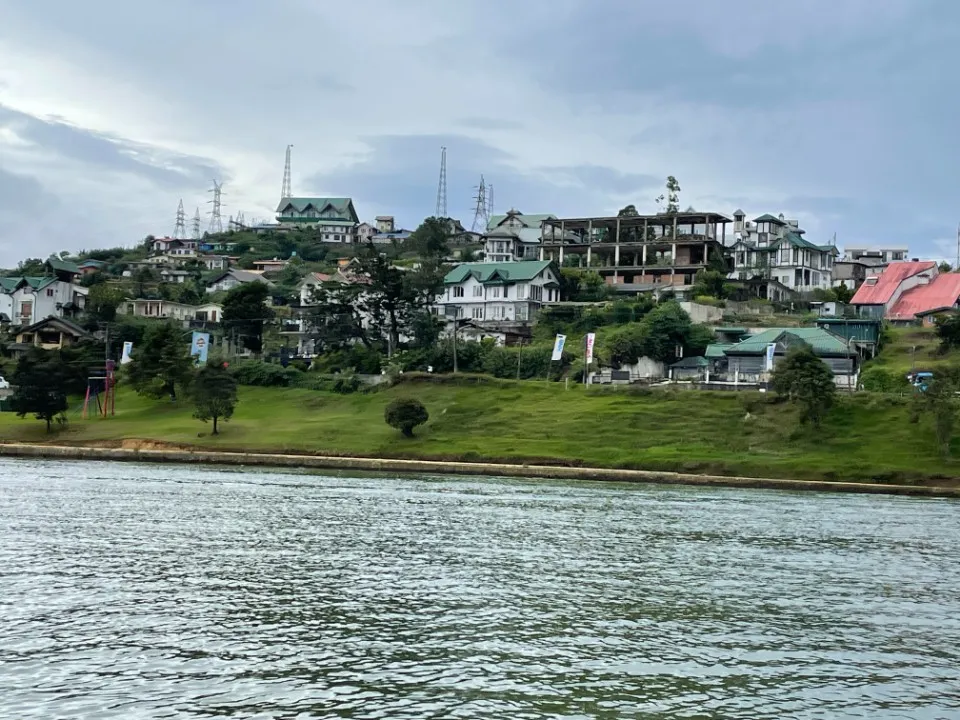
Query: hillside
{"points": [[867, 437]]}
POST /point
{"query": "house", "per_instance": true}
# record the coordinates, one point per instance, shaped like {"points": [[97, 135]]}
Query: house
{"points": [[169, 310], [302, 326], [89, 267], [365, 231], [385, 223], [334, 218], [513, 237], [27, 300], [850, 273], [165, 245], [52, 333], [694, 367], [233, 277], [921, 304], [876, 256], [748, 359], [173, 275], [774, 248], [270, 266], [879, 293], [63, 270], [215, 262], [499, 294]]}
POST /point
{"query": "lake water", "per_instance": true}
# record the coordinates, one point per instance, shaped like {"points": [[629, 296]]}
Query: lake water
{"points": [[130, 591]]}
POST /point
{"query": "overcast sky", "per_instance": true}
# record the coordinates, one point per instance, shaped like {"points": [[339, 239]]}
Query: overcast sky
{"points": [[841, 113]]}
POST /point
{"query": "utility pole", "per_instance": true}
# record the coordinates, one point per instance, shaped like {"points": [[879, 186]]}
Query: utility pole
{"points": [[519, 355], [441, 211]]}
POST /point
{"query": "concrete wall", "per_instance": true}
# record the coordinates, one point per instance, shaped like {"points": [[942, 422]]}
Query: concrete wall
{"points": [[702, 313]]}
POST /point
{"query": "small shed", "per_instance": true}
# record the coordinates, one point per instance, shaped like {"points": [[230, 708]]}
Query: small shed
{"points": [[689, 368]]}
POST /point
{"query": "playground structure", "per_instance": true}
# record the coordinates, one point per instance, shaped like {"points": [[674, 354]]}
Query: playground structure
{"points": [[101, 388]]}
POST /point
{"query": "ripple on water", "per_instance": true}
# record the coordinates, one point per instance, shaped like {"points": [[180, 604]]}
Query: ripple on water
{"points": [[155, 592]]}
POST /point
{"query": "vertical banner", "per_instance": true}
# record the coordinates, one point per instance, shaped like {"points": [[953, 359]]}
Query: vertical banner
{"points": [[125, 357], [199, 347], [771, 348], [591, 339], [558, 348]]}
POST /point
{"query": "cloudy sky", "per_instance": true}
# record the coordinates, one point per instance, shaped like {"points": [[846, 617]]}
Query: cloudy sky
{"points": [[842, 113]]}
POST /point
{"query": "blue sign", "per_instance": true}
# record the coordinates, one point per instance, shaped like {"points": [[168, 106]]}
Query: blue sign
{"points": [[199, 347]]}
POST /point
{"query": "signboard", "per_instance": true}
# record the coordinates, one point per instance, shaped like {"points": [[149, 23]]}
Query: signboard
{"points": [[125, 356], [558, 347], [591, 339], [199, 347]]}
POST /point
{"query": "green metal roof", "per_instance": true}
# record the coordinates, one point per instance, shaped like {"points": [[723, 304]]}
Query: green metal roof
{"points": [[9, 284], [716, 351], [767, 217], [694, 361], [59, 265], [497, 273], [821, 341], [529, 221], [343, 206], [859, 330]]}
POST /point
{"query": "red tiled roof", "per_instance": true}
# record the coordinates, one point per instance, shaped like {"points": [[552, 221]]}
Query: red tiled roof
{"points": [[942, 292], [321, 277], [880, 292]]}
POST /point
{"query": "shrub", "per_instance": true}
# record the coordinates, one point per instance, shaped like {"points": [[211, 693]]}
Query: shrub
{"points": [[261, 374], [878, 379], [405, 414]]}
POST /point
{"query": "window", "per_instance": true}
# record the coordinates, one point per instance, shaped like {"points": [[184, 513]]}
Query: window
{"points": [[536, 292], [478, 291], [458, 292], [521, 292], [496, 292], [478, 313], [49, 292]]}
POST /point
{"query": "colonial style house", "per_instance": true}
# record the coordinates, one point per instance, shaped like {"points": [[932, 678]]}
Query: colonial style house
{"points": [[513, 237], [747, 359], [499, 293], [27, 300], [775, 249], [335, 218]]}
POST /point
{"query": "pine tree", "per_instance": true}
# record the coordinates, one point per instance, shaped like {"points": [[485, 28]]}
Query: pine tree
{"points": [[215, 394], [41, 385]]}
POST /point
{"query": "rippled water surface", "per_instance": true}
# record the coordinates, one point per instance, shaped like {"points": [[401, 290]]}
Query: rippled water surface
{"points": [[155, 592]]}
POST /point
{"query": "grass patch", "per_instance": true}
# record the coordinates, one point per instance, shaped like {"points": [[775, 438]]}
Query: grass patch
{"points": [[866, 437]]}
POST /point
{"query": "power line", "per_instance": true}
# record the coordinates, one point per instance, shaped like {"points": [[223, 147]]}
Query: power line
{"points": [[216, 218]]}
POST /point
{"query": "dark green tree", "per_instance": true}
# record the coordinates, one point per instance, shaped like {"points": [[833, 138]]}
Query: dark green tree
{"points": [[431, 238], [668, 328], [405, 414], [805, 379], [628, 211], [843, 293], [162, 363], [940, 400], [333, 319], [948, 330], [390, 299], [711, 283], [41, 385], [214, 393], [244, 313], [103, 301]]}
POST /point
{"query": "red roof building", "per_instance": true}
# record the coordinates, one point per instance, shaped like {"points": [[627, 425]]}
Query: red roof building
{"points": [[921, 303], [879, 294]]}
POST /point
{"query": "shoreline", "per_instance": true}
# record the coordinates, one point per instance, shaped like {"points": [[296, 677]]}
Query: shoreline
{"points": [[551, 472]]}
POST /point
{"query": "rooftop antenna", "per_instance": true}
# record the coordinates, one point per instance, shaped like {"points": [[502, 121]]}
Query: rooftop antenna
{"points": [[481, 215], [196, 225], [216, 219], [286, 190], [180, 229], [442, 186]]}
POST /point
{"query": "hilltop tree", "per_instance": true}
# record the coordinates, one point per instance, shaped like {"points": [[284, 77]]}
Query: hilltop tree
{"points": [[41, 385], [668, 328], [245, 312], [162, 363], [430, 240], [628, 211], [673, 195], [804, 378], [215, 394]]}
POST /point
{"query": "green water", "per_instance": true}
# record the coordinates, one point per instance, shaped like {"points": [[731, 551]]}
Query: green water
{"points": [[136, 592]]}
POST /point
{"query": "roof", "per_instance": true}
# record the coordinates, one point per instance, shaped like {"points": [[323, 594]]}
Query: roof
{"points": [[767, 217], [342, 205], [940, 293], [822, 341], [717, 350], [529, 221], [886, 284], [59, 265], [316, 277], [63, 323], [505, 272], [90, 262], [694, 361], [242, 276]]}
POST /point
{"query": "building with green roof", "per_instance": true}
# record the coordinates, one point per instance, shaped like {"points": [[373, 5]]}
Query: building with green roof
{"points": [[748, 359], [505, 295], [334, 217], [773, 256]]}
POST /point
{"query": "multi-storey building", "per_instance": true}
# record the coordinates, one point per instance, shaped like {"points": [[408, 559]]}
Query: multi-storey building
{"points": [[28, 300], [515, 237], [335, 218], [638, 252], [877, 256], [499, 293], [774, 249]]}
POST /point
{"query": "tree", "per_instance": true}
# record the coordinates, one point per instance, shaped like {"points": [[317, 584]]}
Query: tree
{"points": [[948, 330], [626, 344], [215, 394], [390, 299], [141, 278], [843, 293], [41, 385], [244, 313], [945, 267], [430, 239], [940, 398], [673, 195], [162, 363], [628, 211], [710, 282], [805, 379], [405, 414], [31, 266], [103, 301], [333, 319], [668, 327]]}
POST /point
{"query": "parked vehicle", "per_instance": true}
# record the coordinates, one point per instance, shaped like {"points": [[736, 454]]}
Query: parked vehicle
{"points": [[4, 385]]}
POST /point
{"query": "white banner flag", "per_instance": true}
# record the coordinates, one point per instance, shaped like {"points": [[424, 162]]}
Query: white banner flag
{"points": [[127, 349], [591, 338], [558, 347], [771, 349]]}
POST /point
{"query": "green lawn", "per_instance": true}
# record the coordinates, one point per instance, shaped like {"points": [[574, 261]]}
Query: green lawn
{"points": [[866, 437], [912, 347]]}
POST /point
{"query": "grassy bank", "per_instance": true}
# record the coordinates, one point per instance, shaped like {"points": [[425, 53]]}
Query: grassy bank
{"points": [[866, 438]]}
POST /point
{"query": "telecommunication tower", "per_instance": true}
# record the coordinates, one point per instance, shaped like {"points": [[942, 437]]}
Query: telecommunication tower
{"points": [[196, 225], [442, 186], [481, 215], [216, 218], [180, 229], [489, 201], [286, 191]]}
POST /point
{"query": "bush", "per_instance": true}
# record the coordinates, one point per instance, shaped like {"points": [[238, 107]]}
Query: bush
{"points": [[878, 379], [405, 414], [261, 374]]}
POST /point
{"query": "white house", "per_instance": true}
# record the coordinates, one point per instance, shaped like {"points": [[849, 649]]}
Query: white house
{"points": [[215, 262], [508, 292], [335, 219], [28, 300], [365, 231], [773, 248], [877, 255], [514, 237], [169, 310], [233, 277]]}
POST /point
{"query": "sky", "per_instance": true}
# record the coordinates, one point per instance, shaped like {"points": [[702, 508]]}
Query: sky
{"points": [[839, 113]]}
